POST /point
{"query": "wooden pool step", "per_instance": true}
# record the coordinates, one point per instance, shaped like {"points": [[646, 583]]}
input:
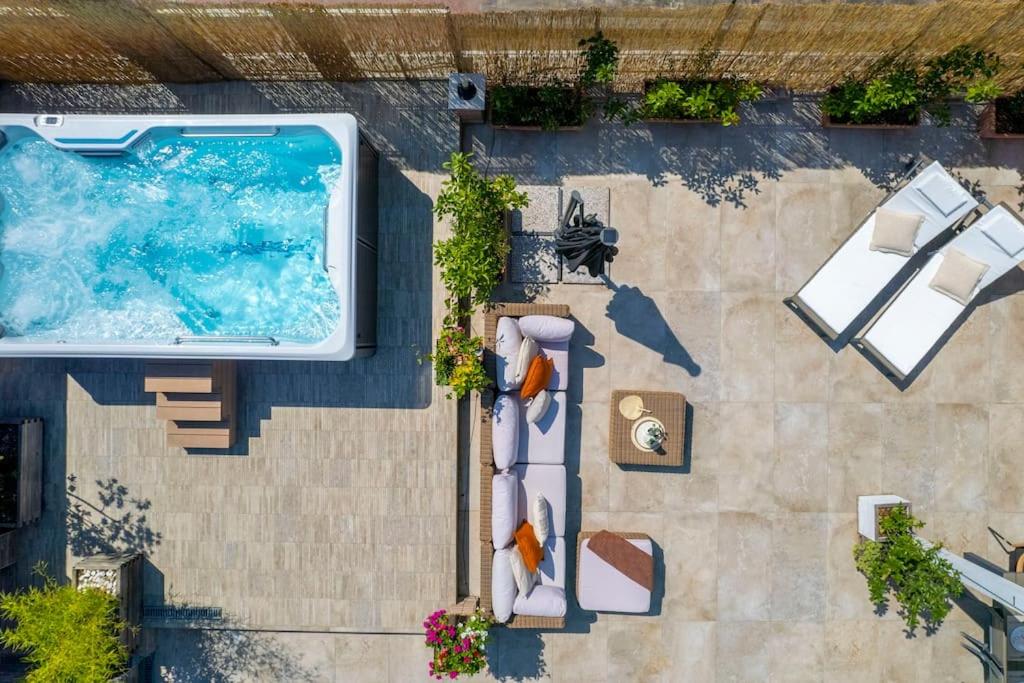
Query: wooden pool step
{"points": [[198, 400], [191, 377], [194, 407], [189, 434]]}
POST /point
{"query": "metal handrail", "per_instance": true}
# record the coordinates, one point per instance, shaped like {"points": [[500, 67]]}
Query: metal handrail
{"points": [[227, 339]]}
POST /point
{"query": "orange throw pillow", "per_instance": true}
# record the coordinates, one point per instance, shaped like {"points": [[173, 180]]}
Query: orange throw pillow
{"points": [[528, 546], [538, 375]]}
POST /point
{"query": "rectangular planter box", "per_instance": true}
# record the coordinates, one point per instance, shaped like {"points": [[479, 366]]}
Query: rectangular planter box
{"points": [[8, 548], [869, 511], [987, 125], [127, 570], [537, 129], [826, 122], [715, 122], [22, 440]]}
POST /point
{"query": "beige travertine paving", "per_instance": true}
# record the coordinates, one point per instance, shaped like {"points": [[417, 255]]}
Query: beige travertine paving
{"points": [[754, 534]]}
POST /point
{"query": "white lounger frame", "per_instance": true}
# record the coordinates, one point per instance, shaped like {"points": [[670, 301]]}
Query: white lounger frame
{"points": [[815, 320], [974, 244]]}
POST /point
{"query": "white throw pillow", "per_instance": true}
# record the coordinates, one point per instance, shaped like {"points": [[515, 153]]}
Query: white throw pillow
{"points": [[507, 341], [542, 601], [505, 431], [546, 328], [958, 275], [538, 407], [895, 231], [503, 586], [504, 505], [525, 579], [541, 520], [527, 352]]}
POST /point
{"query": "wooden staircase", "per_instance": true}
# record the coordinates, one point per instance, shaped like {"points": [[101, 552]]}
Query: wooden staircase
{"points": [[198, 400]]}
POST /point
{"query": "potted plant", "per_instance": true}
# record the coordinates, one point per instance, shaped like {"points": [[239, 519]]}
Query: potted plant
{"points": [[458, 361], [65, 634], [872, 509], [921, 580], [459, 646], [894, 92], [1003, 118]]}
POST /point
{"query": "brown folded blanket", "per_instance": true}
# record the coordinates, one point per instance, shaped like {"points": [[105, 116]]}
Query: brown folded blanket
{"points": [[624, 556]]}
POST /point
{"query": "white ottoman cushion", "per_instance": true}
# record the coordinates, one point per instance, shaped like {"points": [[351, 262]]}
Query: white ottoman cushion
{"points": [[543, 442], [505, 430], [504, 509], [602, 588], [507, 341], [546, 479]]}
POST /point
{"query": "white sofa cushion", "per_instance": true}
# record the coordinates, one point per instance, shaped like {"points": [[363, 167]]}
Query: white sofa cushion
{"points": [[538, 406], [546, 328], [542, 601], [539, 518], [603, 588], [552, 567], [507, 341], [504, 508], [548, 480], [559, 353], [543, 442], [527, 352], [505, 430], [503, 586]]}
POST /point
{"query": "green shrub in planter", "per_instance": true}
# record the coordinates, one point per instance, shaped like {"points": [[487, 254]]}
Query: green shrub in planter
{"points": [[549, 107], [458, 361], [473, 259], [922, 582], [65, 634], [895, 92], [698, 100]]}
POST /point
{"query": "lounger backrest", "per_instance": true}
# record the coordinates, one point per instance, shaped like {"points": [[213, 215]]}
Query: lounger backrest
{"points": [[997, 238], [938, 197]]}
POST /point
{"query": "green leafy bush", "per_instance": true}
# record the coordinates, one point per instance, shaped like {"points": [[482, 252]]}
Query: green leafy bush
{"points": [[473, 259], [600, 59], [550, 106], [922, 582], [65, 634], [895, 92], [698, 100]]}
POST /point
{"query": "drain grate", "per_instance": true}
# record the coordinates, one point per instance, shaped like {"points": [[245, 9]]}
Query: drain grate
{"points": [[183, 613]]}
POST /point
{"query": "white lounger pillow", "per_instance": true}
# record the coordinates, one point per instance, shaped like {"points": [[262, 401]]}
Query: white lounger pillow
{"points": [[503, 586], [895, 231], [958, 275], [505, 431], [542, 601], [504, 508]]}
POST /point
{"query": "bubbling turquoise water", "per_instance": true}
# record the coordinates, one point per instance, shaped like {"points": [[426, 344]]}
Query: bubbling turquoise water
{"points": [[181, 236]]}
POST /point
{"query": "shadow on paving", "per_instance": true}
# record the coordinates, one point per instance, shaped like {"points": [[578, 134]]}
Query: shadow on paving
{"points": [[726, 165], [215, 655]]}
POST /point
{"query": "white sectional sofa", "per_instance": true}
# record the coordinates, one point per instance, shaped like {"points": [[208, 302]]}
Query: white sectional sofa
{"points": [[530, 456]]}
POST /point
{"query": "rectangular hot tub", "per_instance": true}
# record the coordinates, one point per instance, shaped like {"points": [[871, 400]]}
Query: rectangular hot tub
{"points": [[249, 236]]}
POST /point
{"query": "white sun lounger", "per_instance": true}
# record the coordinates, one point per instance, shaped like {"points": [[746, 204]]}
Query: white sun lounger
{"points": [[903, 334], [854, 276]]}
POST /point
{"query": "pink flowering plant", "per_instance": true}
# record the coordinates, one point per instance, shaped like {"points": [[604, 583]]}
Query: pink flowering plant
{"points": [[459, 646]]}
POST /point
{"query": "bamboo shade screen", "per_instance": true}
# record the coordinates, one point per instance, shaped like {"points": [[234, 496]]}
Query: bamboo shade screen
{"points": [[803, 46]]}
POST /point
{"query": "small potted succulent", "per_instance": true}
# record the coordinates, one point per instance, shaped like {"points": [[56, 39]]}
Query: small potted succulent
{"points": [[458, 644]]}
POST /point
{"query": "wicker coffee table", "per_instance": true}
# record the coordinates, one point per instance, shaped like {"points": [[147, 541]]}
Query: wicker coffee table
{"points": [[668, 407]]}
